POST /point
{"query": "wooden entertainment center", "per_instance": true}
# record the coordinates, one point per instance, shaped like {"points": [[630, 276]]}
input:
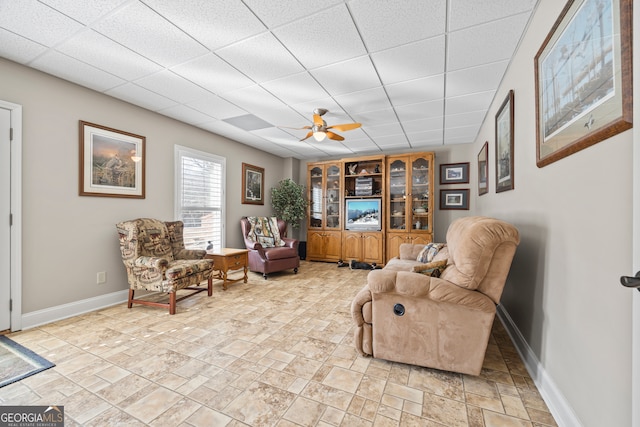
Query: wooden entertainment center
{"points": [[363, 208]]}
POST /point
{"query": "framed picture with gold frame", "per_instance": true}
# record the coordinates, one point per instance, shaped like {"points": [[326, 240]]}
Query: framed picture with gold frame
{"points": [[112, 162], [583, 76], [483, 169], [504, 145], [252, 184]]}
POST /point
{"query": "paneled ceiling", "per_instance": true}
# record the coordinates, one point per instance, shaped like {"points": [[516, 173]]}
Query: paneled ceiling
{"points": [[415, 73]]}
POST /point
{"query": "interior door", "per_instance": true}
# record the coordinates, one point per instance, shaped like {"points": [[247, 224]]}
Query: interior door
{"points": [[5, 212]]}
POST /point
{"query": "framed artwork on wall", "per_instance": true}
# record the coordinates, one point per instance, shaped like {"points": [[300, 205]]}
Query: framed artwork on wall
{"points": [[252, 185], [112, 162], [504, 145], [583, 76], [454, 199], [483, 169], [454, 173]]}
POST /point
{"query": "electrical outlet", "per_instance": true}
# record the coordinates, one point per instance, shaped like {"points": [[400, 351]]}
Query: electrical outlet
{"points": [[102, 277]]}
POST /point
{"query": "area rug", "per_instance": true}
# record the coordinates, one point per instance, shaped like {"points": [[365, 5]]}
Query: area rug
{"points": [[18, 362]]}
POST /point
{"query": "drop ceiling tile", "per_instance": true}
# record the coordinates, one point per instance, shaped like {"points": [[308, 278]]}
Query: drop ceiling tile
{"points": [[18, 49], [213, 23], [261, 57], [142, 97], [103, 53], [75, 71], [467, 103], [376, 118], [37, 22], [296, 89], [306, 108], [415, 91], [461, 134], [85, 11], [282, 116], [324, 38], [476, 79], [413, 126], [364, 100], [213, 74], [253, 99], [185, 114], [465, 119], [411, 61], [429, 137], [390, 23], [214, 106], [150, 35], [484, 44], [466, 13], [348, 76], [275, 13], [421, 110], [383, 130], [335, 148], [172, 86], [395, 141]]}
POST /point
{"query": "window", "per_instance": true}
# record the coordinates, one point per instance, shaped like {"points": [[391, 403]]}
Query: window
{"points": [[200, 197]]}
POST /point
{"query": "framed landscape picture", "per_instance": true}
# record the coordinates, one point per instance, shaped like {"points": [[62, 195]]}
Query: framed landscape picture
{"points": [[112, 162], [583, 78], [252, 184], [454, 173], [454, 199], [504, 145], [483, 169]]}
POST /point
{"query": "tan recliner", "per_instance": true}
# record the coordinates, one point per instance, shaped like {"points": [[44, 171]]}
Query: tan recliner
{"points": [[444, 322]]}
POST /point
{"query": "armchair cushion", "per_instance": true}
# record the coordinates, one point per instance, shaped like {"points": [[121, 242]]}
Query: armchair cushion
{"points": [[264, 230], [280, 253], [154, 239]]}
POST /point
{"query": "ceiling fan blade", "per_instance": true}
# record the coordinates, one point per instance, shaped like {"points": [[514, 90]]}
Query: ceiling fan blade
{"points": [[317, 120], [346, 126], [288, 127], [308, 135], [334, 136]]}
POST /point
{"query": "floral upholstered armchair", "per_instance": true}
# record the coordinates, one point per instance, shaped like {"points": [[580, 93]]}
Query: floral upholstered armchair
{"points": [[156, 260]]}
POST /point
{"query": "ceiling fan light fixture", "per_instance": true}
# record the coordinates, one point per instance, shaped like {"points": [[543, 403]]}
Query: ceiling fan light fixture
{"points": [[319, 135]]}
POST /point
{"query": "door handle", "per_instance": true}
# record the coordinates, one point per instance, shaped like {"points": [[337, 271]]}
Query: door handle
{"points": [[631, 281]]}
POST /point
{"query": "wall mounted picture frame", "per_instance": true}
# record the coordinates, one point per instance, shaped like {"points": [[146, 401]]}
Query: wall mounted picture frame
{"points": [[504, 145], [583, 78], [454, 173], [112, 162], [252, 184], [454, 199], [483, 169]]}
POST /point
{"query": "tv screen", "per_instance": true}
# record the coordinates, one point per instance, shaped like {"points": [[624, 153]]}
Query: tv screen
{"points": [[363, 214]]}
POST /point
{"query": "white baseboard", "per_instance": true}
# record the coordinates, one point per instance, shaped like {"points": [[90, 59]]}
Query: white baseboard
{"points": [[553, 397], [52, 314]]}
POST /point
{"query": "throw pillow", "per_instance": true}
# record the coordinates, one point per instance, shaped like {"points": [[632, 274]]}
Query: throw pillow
{"points": [[264, 230], [433, 269], [429, 252]]}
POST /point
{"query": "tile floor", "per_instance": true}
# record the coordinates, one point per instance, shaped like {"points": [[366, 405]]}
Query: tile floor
{"points": [[268, 353]]}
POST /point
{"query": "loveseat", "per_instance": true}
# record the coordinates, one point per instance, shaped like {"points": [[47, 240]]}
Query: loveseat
{"points": [[406, 313]]}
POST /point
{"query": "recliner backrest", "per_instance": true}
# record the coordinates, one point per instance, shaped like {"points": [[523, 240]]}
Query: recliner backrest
{"points": [[480, 253]]}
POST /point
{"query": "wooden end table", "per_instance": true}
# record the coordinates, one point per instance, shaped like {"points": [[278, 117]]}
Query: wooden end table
{"points": [[229, 259]]}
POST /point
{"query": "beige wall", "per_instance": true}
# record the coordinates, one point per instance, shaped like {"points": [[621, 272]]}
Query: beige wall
{"points": [[574, 216], [67, 239]]}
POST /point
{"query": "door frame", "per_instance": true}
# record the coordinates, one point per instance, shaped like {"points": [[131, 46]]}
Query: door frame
{"points": [[16, 212], [635, 229]]}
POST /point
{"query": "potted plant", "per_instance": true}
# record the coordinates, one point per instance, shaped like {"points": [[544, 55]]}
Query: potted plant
{"points": [[289, 202]]}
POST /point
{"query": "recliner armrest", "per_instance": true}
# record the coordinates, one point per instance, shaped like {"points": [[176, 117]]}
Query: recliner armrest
{"points": [[150, 262]]}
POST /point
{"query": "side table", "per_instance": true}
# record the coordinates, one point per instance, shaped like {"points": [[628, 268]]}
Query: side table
{"points": [[229, 259]]}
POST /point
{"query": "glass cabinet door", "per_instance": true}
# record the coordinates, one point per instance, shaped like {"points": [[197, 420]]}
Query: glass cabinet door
{"points": [[397, 195], [420, 193], [332, 201], [315, 197]]}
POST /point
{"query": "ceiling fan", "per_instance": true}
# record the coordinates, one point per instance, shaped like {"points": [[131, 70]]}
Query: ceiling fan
{"points": [[320, 130]]}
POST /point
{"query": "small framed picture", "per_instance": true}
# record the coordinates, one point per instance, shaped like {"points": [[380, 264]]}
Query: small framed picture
{"points": [[504, 145], [454, 199], [483, 169], [252, 185], [454, 173], [112, 162]]}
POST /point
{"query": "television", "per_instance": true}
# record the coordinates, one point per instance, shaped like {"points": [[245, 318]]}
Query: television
{"points": [[363, 214]]}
